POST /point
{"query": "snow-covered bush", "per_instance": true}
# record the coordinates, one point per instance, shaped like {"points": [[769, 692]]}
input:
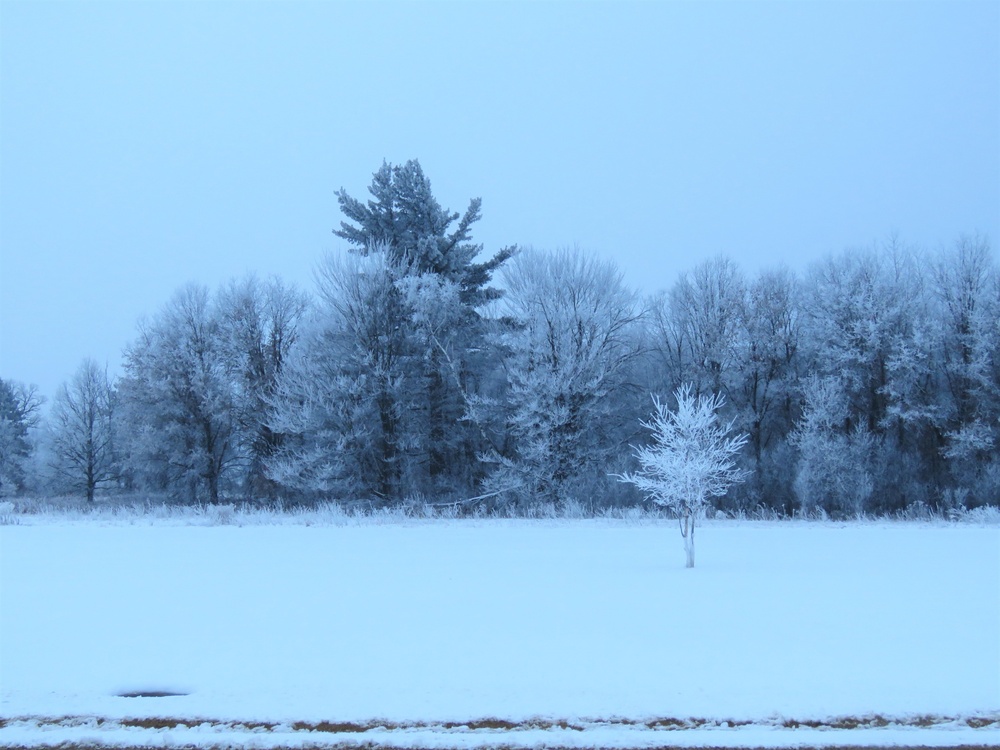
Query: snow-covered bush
{"points": [[7, 515], [220, 515]]}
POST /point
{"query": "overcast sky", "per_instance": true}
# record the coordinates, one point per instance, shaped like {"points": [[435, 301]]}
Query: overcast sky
{"points": [[147, 144]]}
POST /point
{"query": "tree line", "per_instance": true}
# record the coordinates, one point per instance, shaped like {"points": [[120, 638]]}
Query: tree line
{"points": [[418, 372]]}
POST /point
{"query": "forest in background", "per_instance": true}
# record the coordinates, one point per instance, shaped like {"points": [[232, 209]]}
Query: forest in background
{"points": [[419, 371]]}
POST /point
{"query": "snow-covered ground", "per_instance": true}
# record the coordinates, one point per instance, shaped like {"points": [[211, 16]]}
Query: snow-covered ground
{"points": [[423, 627]]}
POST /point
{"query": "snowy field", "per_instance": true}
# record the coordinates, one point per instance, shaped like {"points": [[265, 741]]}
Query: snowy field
{"points": [[567, 633]]}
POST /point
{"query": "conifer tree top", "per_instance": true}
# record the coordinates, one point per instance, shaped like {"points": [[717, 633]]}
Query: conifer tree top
{"points": [[403, 219]]}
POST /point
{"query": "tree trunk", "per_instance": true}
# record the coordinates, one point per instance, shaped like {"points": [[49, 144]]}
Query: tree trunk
{"points": [[689, 547], [91, 476], [687, 531], [213, 486], [387, 465], [436, 449]]}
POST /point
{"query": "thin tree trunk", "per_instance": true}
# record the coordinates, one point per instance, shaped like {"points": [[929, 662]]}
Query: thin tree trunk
{"points": [[687, 531], [91, 474], [387, 460]]}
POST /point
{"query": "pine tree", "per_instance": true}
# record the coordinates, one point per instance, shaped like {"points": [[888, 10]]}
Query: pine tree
{"points": [[438, 294], [19, 413]]}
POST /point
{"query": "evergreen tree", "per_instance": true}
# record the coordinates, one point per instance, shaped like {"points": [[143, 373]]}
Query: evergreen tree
{"points": [[436, 312], [19, 413]]}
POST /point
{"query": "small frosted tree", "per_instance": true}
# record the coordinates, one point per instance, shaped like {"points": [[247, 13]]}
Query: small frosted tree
{"points": [[691, 458]]}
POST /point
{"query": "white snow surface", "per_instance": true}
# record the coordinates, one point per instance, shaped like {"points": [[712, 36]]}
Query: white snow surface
{"points": [[453, 621]]}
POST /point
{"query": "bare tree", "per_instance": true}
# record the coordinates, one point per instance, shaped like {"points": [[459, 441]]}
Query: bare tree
{"points": [[82, 431], [691, 459]]}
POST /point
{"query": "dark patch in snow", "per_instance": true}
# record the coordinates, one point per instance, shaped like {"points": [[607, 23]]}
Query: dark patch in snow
{"points": [[150, 694]]}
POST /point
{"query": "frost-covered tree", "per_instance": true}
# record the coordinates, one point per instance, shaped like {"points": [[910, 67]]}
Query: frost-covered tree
{"points": [[258, 327], [179, 402], [967, 287], [82, 432], [962, 282], [339, 401], [691, 459], [864, 327], [572, 339], [768, 347], [722, 333], [437, 300], [699, 329], [832, 473], [861, 307], [20, 407]]}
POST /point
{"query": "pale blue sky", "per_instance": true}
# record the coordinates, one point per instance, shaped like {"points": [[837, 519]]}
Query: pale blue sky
{"points": [[147, 144]]}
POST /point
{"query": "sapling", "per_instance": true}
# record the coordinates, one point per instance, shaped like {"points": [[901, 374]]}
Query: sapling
{"points": [[691, 458]]}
